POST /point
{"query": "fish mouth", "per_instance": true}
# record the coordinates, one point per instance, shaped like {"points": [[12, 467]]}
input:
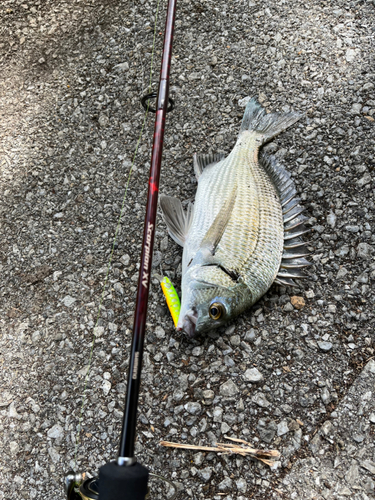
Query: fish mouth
{"points": [[187, 323]]}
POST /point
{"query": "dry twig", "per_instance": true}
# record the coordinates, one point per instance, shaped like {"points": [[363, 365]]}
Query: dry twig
{"points": [[243, 448]]}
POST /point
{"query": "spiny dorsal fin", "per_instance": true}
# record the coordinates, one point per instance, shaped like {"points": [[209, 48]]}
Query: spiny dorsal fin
{"points": [[280, 177], [290, 273], [297, 263], [217, 228], [203, 161], [297, 244], [294, 226], [178, 220]]}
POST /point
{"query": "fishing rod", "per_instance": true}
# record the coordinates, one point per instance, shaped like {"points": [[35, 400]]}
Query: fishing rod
{"points": [[124, 478]]}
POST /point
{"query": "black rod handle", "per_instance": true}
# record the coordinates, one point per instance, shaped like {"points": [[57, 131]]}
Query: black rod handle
{"points": [[122, 483]]}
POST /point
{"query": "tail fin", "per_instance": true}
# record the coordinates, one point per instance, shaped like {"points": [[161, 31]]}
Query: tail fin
{"points": [[268, 125]]}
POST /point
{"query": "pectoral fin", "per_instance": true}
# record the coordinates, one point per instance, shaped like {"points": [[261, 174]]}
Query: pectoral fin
{"points": [[178, 220], [217, 228]]}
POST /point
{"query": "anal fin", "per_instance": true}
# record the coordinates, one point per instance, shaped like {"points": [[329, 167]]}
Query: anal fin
{"points": [[285, 282]]}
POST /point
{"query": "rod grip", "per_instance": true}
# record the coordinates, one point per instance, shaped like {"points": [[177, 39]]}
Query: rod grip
{"points": [[119, 482]]}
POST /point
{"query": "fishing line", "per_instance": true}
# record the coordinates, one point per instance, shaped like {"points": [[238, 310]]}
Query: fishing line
{"points": [[77, 438]]}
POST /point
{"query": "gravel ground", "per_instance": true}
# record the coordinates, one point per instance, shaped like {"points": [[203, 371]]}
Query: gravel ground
{"points": [[72, 74], [341, 463]]}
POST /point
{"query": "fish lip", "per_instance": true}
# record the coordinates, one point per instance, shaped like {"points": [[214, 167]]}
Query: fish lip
{"points": [[187, 323]]}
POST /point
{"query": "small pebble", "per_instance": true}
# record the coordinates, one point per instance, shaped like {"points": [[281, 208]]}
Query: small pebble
{"points": [[261, 400], [342, 273], [282, 428], [14, 448], [121, 67], [229, 389], [288, 307], [159, 332], [56, 432], [253, 375], [235, 340], [297, 302], [106, 386], [208, 394], [197, 351], [250, 335], [206, 473], [325, 346], [364, 250], [224, 428], [193, 408], [218, 414], [35, 337], [331, 219], [68, 301], [225, 485]]}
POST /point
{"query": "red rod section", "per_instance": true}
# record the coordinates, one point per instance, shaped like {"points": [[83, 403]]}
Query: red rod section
{"points": [[129, 422]]}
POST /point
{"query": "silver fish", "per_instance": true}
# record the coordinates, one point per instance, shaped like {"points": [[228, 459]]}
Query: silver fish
{"points": [[243, 232]]}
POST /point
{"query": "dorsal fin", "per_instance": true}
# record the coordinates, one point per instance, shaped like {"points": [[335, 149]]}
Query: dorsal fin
{"points": [[178, 220], [280, 177], [294, 226], [203, 161]]}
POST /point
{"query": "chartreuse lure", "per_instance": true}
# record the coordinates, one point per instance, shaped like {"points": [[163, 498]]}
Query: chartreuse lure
{"points": [[173, 300]]}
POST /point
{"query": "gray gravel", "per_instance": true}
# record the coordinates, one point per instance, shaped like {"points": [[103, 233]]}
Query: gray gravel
{"points": [[341, 459], [72, 74]]}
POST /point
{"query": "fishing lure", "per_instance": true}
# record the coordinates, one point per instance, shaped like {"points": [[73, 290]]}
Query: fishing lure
{"points": [[173, 301]]}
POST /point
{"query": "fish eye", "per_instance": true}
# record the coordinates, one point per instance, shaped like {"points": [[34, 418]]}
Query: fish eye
{"points": [[216, 310]]}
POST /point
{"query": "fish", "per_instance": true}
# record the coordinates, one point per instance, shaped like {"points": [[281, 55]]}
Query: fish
{"points": [[244, 231]]}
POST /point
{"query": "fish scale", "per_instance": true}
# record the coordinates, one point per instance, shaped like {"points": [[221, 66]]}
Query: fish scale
{"points": [[253, 241], [234, 236]]}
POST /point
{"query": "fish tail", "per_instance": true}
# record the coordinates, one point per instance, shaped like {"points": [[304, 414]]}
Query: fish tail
{"points": [[267, 125]]}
